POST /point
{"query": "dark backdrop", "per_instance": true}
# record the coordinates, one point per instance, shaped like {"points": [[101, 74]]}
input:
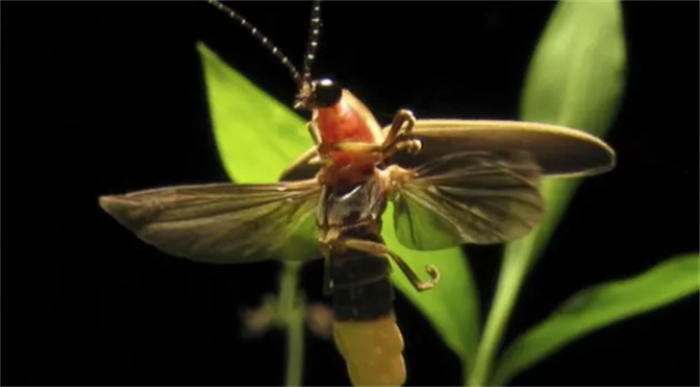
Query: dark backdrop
{"points": [[108, 97]]}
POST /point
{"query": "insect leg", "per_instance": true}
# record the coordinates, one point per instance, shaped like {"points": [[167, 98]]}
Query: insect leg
{"points": [[309, 157], [356, 147], [398, 138], [380, 250], [314, 132], [401, 127], [402, 117], [410, 145]]}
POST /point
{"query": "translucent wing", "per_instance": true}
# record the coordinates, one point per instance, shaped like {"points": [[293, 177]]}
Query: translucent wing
{"points": [[468, 197], [223, 223], [561, 152]]}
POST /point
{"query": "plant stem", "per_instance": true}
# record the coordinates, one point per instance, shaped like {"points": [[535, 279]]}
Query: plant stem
{"points": [[513, 271], [292, 308]]}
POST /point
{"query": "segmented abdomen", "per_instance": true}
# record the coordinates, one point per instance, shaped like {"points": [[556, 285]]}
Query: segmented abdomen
{"points": [[364, 327]]}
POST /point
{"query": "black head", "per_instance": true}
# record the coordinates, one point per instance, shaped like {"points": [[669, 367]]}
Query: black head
{"points": [[326, 93]]}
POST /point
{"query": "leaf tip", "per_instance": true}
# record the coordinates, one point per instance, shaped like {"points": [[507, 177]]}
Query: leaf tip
{"points": [[202, 47]]}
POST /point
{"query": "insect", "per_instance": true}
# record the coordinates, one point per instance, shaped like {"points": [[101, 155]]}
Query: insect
{"points": [[451, 182]]}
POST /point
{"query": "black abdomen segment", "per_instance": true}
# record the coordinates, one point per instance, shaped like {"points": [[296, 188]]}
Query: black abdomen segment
{"points": [[361, 286]]}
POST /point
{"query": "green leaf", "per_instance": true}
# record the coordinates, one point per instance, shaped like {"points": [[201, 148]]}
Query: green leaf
{"points": [[452, 306], [258, 137], [576, 78], [598, 307]]}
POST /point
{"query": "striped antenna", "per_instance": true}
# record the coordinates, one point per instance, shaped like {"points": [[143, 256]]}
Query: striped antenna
{"points": [[303, 80], [314, 37]]}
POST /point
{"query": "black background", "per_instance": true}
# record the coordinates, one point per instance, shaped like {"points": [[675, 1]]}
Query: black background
{"points": [[108, 97]]}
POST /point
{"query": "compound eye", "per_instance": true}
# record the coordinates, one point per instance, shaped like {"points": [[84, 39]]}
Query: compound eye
{"points": [[326, 93]]}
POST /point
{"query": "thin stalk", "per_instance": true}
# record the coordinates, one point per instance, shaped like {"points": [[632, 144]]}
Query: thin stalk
{"points": [[292, 308], [513, 270]]}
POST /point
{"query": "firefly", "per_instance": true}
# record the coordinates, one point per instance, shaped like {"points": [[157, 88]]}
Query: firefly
{"points": [[450, 181]]}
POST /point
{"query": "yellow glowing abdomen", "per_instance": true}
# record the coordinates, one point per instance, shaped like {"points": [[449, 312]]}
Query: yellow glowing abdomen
{"points": [[372, 351]]}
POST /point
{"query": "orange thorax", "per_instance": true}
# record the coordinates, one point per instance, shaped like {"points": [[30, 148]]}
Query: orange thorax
{"points": [[349, 120]]}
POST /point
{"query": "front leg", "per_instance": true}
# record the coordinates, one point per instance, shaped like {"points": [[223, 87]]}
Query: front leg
{"points": [[311, 156], [401, 127], [314, 132], [412, 146]]}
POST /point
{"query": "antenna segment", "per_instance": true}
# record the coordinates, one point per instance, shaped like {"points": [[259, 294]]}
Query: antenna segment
{"points": [[259, 36], [303, 80], [314, 37]]}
